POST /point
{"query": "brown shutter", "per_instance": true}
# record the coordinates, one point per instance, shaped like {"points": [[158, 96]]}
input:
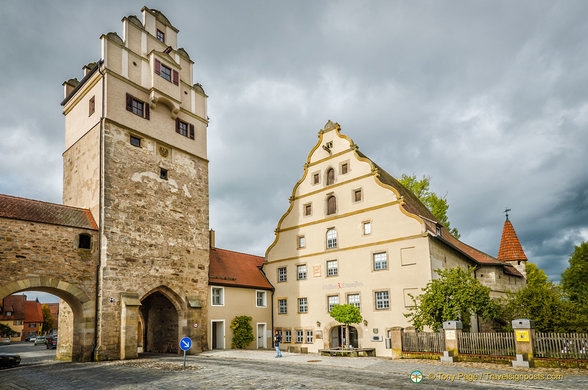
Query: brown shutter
{"points": [[129, 102], [146, 110], [330, 176], [176, 77], [191, 131], [157, 67], [331, 205], [178, 125]]}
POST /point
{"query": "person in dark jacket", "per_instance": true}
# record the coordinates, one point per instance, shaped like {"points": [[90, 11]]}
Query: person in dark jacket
{"points": [[277, 342]]}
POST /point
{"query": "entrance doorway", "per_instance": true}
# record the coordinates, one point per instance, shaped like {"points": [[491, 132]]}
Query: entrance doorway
{"points": [[160, 324], [338, 337], [218, 334], [261, 339]]}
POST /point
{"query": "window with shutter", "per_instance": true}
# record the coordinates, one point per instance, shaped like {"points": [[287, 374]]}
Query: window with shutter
{"points": [[176, 77], [137, 107], [330, 176], [331, 205], [157, 67], [191, 131]]}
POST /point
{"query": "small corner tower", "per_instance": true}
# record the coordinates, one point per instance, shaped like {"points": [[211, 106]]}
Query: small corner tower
{"points": [[136, 156], [511, 250]]}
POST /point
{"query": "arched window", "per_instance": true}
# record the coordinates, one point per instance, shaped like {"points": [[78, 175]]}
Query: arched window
{"points": [[330, 176], [331, 205], [331, 238], [84, 241]]}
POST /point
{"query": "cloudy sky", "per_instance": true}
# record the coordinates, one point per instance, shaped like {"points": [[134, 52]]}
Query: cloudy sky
{"points": [[488, 98]]}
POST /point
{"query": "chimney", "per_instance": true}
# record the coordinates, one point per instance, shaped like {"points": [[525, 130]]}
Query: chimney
{"points": [[211, 239]]}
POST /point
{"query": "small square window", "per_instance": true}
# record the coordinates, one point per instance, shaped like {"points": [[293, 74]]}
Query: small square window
{"points": [[357, 195], [166, 72], [302, 305], [380, 261], [332, 268], [307, 209], [367, 227], [315, 178], [135, 141], [301, 242], [163, 173], [344, 168], [218, 298], [353, 299], [161, 36], [382, 300], [282, 274], [260, 298], [282, 306], [301, 271]]}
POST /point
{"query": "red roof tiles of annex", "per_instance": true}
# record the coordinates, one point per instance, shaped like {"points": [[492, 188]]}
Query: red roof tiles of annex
{"points": [[228, 268], [14, 304], [33, 312], [44, 212], [510, 246]]}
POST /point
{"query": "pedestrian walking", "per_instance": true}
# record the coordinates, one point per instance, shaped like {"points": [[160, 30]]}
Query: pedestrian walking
{"points": [[277, 341]]}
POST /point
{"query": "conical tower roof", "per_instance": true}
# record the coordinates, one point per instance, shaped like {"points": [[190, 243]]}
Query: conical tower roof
{"points": [[510, 246]]}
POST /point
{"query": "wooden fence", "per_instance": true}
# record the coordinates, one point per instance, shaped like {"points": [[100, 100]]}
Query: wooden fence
{"points": [[561, 345], [423, 342], [494, 344]]}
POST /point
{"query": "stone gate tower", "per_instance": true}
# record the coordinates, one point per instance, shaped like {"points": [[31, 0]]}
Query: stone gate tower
{"points": [[135, 155]]}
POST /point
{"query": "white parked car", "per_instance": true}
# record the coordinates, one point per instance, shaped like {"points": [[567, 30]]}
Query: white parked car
{"points": [[4, 340]]}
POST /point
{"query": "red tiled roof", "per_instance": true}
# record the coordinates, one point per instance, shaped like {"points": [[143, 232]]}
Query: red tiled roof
{"points": [[237, 269], [14, 304], [44, 212], [510, 246], [33, 312]]}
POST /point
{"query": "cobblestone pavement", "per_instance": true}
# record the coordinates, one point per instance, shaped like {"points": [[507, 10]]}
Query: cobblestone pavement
{"points": [[260, 370]]}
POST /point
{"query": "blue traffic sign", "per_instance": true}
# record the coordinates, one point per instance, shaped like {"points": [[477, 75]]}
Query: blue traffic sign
{"points": [[185, 343]]}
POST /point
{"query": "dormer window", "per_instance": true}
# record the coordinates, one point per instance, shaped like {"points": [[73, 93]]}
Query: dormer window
{"points": [[166, 72], [161, 36]]}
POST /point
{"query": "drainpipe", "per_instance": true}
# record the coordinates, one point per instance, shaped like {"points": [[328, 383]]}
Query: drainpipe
{"points": [[100, 219], [273, 346]]}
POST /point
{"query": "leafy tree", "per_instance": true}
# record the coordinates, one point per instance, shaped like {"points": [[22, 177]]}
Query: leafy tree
{"points": [[346, 315], [574, 280], [48, 320], [5, 330], [437, 204], [544, 302], [242, 332], [455, 295]]}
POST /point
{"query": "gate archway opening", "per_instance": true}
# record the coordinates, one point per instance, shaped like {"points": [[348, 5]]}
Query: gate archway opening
{"points": [[160, 326]]}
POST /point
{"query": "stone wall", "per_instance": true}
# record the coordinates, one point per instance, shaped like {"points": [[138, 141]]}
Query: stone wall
{"points": [[155, 232], [65, 332]]}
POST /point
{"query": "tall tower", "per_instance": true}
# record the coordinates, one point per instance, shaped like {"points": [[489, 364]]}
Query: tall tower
{"points": [[511, 250], [135, 155]]}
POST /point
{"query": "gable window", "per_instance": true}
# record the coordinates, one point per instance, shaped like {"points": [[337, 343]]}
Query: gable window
{"points": [[307, 209], [353, 299], [166, 72], [302, 305], [135, 141], [301, 271], [380, 261], [288, 336], [309, 337], [331, 238], [301, 242], [332, 301], [137, 106], [185, 129], [91, 105], [332, 268], [330, 176], [282, 306], [260, 299], [315, 178], [382, 300], [344, 168], [282, 275], [357, 195], [161, 36], [299, 336], [84, 241], [367, 227], [331, 205], [218, 296]]}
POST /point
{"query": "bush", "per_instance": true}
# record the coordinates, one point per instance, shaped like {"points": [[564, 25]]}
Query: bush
{"points": [[242, 332]]}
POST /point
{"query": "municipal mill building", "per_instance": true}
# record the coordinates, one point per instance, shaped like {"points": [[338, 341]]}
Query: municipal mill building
{"points": [[133, 259]]}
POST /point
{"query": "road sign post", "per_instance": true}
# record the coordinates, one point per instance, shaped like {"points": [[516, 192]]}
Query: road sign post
{"points": [[185, 344]]}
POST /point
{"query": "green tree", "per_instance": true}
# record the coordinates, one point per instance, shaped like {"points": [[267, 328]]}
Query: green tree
{"points": [[438, 205], [242, 332], [5, 330], [48, 320], [544, 302], [346, 315], [455, 295], [574, 280]]}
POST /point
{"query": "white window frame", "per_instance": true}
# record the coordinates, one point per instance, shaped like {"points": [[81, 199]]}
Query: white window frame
{"points": [[285, 307], [332, 240], [301, 275], [330, 269], [264, 298], [301, 242], [285, 275], [378, 261], [309, 336], [303, 304], [367, 228], [299, 336], [356, 304], [329, 305], [222, 295], [382, 303], [287, 336]]}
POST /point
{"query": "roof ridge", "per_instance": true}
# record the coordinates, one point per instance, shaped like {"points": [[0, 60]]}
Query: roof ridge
{"points": [[45, 202], [241, 253]]}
